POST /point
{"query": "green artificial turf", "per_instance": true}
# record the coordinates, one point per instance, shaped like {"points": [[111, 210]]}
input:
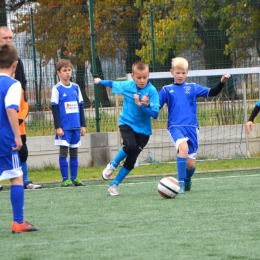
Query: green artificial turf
{"points": [[217, 219]]}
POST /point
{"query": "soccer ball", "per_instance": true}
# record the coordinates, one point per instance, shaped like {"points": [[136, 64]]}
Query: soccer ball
{"points": [[168, 187]]}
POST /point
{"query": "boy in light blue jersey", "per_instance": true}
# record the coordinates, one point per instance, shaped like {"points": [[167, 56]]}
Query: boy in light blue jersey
{"points": [[10, 141], [141, 102], [70, 123], [183, 128], [254, 113]]}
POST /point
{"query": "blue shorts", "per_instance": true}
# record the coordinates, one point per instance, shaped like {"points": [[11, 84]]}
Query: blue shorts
{"points": [[10, 167], [71, 138], [188, 134]]}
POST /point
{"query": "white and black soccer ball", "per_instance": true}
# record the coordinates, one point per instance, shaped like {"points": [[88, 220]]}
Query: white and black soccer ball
{"points": [[168, 187]]}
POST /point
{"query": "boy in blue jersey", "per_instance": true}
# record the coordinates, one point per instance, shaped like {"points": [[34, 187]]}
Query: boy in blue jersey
{"points": [[141, 102], [10, 141], [183, 128], [254, 113], [70, 123]]}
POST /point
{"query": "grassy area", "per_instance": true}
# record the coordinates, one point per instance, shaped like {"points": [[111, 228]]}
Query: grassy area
{"points": [[50, 174], [218, 219]]}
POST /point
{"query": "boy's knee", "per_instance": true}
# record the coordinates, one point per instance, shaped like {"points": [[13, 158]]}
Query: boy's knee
{"points": [[129, 148]]}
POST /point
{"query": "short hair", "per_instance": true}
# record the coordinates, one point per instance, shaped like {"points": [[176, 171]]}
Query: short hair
{"points": [[5, 28], [63, 63], [139, 65], [180, 63], [8, 55]]}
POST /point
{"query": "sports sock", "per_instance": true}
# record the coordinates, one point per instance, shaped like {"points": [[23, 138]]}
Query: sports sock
{"points": [[25, 172], [189, 174], [120, 176], [64, 168], [17, 201], [74, 168], [181, 168], [119, 157]]}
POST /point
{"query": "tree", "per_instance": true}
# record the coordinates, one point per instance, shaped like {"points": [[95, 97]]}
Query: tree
{"points": [[215, 28], [68, 33]]}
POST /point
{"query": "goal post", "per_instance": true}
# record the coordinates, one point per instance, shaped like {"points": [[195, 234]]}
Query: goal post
{"points": [[222, 122]]}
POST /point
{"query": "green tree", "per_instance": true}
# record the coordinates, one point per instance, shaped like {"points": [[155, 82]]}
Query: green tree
{"points": [[68, 33], [217, 29]]}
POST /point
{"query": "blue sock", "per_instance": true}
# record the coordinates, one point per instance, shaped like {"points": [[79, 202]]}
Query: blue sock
{"points": [[181, 168], [189, 174], [64, 168], [121, 155], [120, 176], [17, 201], [25, 172], [74, 168]]}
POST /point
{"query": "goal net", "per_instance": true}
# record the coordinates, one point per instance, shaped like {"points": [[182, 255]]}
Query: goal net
{"points": [[222, 118]]}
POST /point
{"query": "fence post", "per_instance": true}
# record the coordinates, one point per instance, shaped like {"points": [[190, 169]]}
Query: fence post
{"points": [[38, 105], [152, 38], [94, 66]]}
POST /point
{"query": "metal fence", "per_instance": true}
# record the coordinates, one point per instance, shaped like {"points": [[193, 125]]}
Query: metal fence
{"points": [[123, 34]]}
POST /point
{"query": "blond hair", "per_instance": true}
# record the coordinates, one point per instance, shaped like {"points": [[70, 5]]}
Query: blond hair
{"points": [[180, 63]]}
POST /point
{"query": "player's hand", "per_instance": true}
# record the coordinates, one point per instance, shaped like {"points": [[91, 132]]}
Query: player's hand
{"points": [[225, 78], [59, 132], [145, 100], [249, 126], [82, 130], [137, 100], [96, 80], [18, 142]]}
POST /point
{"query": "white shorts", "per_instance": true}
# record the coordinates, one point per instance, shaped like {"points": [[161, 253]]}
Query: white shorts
{"points": [[10, 167]]}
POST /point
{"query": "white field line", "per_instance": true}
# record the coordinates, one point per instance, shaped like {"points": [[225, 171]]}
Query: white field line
{"points": [[140, 183]]}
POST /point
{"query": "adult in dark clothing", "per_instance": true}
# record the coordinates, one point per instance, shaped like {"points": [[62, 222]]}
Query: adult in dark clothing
{"points": [[6, 36]]}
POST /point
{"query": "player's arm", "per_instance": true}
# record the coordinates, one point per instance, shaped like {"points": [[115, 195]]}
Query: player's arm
{"points": [[107, 83], [12, 102], [254, 113], [13, 119], [162, 97], [217, 89], [144, 104]]}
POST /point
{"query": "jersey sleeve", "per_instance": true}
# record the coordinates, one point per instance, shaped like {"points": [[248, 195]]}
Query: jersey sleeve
{"points": [[118, 87], [54, 97], [201, 91], [13, 96], [81, 101], [154, 100], [162, 97]]}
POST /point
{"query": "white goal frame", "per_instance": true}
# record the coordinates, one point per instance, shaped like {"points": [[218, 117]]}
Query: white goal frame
{"points": [[215, 72]]}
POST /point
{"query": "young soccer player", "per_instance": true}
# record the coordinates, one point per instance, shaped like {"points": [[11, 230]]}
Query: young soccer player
{"points": [[68, 112], [6, 36], [10, 141], [254, 113], [141, 102], [183, 128]]}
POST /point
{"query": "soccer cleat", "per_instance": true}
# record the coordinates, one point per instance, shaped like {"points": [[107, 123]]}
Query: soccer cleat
{"points": [[67, 183], [78, 182], [24, 227], [187, 186], [31, 186], [181, 188], [1, 187], [113, 190], [108, 171]]}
